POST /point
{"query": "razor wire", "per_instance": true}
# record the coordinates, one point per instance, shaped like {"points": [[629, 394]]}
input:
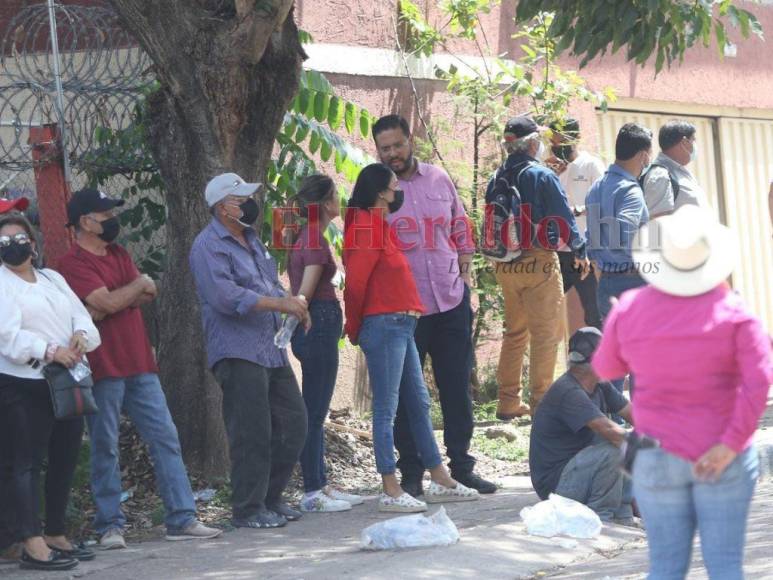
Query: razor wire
{"points": [[102, 73]]}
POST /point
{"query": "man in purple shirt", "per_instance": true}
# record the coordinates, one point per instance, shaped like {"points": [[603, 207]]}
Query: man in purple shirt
{"points": [[436, 236], [241, 301]]}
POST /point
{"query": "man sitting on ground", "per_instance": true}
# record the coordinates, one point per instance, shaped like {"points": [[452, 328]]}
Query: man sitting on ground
{"points": [[574, 449]]}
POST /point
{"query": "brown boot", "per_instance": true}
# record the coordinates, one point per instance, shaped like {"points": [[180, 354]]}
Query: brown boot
{"points": [[520, 411]]}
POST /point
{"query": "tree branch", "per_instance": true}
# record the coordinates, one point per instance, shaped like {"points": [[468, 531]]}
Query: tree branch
{"points": [[416, 98]]}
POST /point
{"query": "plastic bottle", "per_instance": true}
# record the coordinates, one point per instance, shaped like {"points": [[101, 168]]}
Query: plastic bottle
{"points": [[285, 334]]}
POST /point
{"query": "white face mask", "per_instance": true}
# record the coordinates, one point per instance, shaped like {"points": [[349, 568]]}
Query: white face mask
{"points": [[541, 151], [694, 152]]}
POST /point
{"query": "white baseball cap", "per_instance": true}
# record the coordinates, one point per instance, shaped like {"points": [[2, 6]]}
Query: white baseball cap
{"points": [[227, 184]]}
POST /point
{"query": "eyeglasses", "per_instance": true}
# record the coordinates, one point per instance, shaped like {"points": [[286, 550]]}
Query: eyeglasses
{"points": [[20, 238]]}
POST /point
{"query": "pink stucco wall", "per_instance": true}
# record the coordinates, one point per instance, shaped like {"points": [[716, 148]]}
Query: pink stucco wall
{"points": [[703, 77]]}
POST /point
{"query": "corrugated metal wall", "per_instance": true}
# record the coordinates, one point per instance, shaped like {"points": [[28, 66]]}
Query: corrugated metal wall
{"points": [[704, 168], [734, 166], [747, 167]]}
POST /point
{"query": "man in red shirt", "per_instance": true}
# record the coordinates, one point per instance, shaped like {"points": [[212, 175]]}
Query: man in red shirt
{"points": [[104, 276]]}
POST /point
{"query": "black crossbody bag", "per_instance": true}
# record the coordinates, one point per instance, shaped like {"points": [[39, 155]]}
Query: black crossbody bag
{"points": [[71, 398]]}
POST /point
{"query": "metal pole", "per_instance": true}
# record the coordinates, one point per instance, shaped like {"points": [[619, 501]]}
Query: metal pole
{"points": [[59, 90]]}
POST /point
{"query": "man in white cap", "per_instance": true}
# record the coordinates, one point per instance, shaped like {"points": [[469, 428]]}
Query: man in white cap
{"points": [[241, 302], [574, 448]]}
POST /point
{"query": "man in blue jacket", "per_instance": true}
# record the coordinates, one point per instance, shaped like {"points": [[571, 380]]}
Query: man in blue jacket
{"points": [[531, 283]]}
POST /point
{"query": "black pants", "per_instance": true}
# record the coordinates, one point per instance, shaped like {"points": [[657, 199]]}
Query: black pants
{"points": [[265, 419], [447, 338], [30, 433], [586, 289]]}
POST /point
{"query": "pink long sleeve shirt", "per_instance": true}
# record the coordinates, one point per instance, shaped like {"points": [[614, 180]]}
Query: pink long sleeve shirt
{"points": [[702, 366]]}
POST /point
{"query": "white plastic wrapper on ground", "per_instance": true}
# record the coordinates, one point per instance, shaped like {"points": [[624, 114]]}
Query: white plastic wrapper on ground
{"points": [[561, 516], [415, 531]]}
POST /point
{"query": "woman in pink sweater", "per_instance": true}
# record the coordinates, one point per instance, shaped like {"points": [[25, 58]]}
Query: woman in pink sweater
{"points": [[703, 368]]}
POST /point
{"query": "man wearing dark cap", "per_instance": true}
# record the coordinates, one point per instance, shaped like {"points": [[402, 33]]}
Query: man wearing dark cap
{"points": [[577, 170], [575, 447], [531, 282], [104, 276]]}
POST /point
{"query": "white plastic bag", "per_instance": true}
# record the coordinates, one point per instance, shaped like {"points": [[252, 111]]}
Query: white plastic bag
{"points": [[559, 515], [415, 531]]}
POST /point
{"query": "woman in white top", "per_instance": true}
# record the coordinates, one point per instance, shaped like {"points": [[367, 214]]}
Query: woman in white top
{"points": [[41, 321]]}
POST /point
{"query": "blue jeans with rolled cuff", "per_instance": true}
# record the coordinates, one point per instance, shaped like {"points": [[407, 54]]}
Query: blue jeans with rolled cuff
{"points": [[395, 374]]}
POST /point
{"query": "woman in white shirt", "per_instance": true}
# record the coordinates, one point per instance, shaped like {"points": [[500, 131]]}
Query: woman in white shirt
{"points": [[41, 321]]}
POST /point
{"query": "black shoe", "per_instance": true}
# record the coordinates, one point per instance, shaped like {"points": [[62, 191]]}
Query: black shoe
{"points": [[79, 552], [284, 510], [263, 519], [412, 487], [56, 561], [474, 481]]}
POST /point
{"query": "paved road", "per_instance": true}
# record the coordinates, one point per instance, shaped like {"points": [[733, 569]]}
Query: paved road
{"points": [[494, 544]]}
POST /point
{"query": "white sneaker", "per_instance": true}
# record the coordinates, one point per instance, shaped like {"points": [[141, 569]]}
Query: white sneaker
{"points": [[437, 493], [195, 531], [319, 502], [112, 539], [350, 498], [403, 504]]}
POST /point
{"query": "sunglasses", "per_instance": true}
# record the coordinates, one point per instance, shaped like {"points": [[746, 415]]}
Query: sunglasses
{"points": [[20, 238]]}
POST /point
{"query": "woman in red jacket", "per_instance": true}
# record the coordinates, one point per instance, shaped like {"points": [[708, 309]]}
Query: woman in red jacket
{"points": [[382, 307]]}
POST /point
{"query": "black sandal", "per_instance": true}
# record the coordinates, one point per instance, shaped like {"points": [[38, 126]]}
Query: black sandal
{"points": [[79, 552], [56, 561]]}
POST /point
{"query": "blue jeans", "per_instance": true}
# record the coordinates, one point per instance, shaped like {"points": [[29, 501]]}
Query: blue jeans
{"points": [[674, 504], [395, 374], [143, 400], [318, 352]]}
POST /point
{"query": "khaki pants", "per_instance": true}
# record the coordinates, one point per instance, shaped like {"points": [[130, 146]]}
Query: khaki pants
{"points": [[532, 290]]}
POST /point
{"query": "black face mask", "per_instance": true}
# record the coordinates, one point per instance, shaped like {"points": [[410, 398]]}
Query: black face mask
{"points": [[15, 254], [395, 205], [250, 212], [562, 152], [110, 229]]}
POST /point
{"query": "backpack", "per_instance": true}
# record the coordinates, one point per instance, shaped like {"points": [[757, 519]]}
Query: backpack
{"points": [[503, 205], [671, 176]]}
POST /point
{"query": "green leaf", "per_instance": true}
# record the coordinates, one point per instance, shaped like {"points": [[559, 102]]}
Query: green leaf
{"points": [[321, 102], [304, 99], [350, 117], [365, 123], [719, 31], [335, 113], [314, 142], [326, 151]]}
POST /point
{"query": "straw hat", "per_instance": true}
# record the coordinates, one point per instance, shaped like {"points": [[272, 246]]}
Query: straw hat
{"points": [[686, 253]]}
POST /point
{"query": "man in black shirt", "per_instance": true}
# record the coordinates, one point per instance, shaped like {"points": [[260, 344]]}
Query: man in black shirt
{"points": [[575, 447]]}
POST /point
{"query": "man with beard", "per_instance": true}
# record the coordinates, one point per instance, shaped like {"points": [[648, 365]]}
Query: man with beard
{"points": [[436, 236]]}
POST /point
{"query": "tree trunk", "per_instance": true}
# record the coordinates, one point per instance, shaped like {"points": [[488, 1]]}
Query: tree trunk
{"points": [[362, 394], [228, 70]]}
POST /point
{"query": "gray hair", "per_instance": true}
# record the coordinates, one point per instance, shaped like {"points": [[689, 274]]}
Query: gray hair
{"points": [[521, 145]]}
